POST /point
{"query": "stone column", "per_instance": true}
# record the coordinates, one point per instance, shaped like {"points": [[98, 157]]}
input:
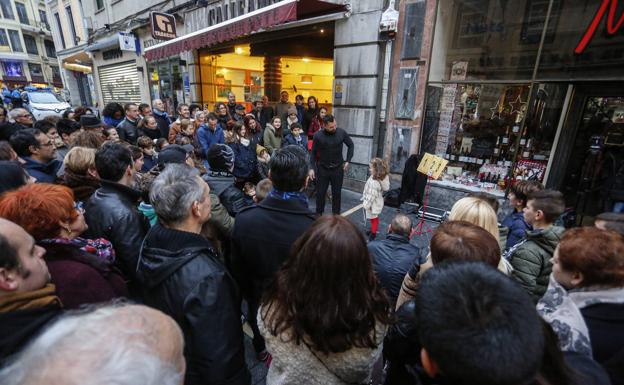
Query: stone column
{"points": [[272, 77]]}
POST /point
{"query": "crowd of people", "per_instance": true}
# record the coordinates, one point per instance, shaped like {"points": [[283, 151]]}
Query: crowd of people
{"points": [[134, 248]]}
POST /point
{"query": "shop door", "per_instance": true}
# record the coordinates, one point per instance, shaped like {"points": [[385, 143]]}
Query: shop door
{"points": [[593, 137]]}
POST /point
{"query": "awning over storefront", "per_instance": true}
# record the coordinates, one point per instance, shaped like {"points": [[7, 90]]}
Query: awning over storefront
{"points": [[256, 21], [110, 41]]}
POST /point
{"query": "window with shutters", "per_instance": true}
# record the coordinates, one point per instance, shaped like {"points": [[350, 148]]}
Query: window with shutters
{"points": [[120, 83]]}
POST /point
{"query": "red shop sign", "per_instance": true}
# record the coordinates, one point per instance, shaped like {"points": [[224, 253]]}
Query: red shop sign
{"points": [[612, 27]]}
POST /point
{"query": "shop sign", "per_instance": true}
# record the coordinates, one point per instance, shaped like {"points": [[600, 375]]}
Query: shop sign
{"points": [[232, 29], [163, 26], [338, 92], [112, 54], [127, 42], [612, 27]]}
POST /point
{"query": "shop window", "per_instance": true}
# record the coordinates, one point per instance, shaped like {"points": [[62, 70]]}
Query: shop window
{"points": [[16, 43], [49, 47], [4, 40], [603, 55], [7, 11], [413, 30], [479, 129], [21, 13], [486, 35], [406, 96], [31, 45]]}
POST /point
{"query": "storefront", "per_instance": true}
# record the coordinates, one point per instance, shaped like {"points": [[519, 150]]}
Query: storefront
{"points": [[512, 95], [327, 49]]}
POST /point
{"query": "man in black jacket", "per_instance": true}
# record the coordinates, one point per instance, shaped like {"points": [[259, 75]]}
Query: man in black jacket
{"points": [[220, 179], [327, 162], [394, 256], [162, 118], [183, 277], [264, 233], [112, 212], [127, 129]]}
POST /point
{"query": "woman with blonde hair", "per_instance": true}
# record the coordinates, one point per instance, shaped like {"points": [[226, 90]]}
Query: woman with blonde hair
{"points": [[479, 212], [80, 174]]}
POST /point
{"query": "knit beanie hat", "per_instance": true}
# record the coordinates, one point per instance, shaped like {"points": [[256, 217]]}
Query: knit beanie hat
{"points": [[292, 110], [259, 149], [220, 157]]}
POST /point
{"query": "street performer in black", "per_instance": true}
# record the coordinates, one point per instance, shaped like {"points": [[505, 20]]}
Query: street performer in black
{"points": [[327, 162]]}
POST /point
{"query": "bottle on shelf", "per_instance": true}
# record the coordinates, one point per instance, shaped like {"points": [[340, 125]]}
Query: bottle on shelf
{"points": [[505, 138], [523, 138]]}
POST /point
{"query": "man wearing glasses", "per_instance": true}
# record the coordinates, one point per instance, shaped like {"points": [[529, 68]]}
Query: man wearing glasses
{"points": [[22, 117], [38, 152]]}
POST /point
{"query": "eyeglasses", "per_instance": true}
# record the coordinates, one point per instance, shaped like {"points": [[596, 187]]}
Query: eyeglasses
{"points": [[50, 143], [24, 116], [79, 206]]}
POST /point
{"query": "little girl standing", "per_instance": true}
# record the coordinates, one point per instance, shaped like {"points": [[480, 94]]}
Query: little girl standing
{"points": [[372, 197]]}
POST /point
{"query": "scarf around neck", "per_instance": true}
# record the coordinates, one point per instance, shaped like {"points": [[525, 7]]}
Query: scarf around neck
{"points": [[561, 308], [29, 299], [288, 195]]}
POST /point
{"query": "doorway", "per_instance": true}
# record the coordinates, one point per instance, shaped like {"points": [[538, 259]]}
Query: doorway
{"points": [[593, 180]]}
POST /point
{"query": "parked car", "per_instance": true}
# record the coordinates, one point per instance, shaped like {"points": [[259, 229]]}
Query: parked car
{"points": [[42, 102]]}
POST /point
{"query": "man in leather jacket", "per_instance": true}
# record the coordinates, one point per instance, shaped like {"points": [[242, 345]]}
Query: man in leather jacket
{"points": [[127, 129], [182, 276], [112, 213], [220, 179]]}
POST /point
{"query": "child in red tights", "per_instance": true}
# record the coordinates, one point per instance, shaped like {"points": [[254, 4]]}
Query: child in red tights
{"points": [[372, 197]]}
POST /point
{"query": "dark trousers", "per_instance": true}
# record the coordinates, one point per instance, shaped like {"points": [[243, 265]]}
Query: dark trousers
{"points": [[323, 179], [258, 341]]}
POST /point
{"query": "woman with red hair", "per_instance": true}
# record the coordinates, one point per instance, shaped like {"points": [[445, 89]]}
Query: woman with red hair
{"points": [[584, 302], [82, 269]]}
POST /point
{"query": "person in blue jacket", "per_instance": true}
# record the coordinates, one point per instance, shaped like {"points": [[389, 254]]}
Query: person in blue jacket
{"points": [[515, 220], [295, 137], [209, 134], [244, 157]]}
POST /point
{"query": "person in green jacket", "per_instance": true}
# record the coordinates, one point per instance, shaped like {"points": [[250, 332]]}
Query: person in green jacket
{"points": [[531, 257], [273, 135]]}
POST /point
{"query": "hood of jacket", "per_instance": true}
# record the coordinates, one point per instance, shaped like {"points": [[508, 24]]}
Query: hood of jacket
{"points": [[156, 264], [548, 238]]}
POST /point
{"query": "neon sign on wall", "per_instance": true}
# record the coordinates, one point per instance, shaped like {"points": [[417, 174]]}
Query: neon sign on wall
{"points": [[612, 27]]}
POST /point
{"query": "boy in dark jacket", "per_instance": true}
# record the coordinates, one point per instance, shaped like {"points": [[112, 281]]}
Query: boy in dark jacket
{"points": [[515, 220], [295, 137], [531, 257]]}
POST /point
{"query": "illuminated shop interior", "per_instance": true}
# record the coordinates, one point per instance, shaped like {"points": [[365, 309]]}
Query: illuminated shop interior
{"points": [[301, 63]]}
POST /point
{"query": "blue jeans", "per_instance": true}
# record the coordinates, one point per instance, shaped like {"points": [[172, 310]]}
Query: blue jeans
{"points": [[618, 207]]}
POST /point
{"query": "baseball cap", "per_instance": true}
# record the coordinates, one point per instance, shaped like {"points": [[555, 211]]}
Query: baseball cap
{"points": [[174, 153]]}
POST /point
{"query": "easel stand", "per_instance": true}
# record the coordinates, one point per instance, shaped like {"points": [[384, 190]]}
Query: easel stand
{"points": [[418, 230]]}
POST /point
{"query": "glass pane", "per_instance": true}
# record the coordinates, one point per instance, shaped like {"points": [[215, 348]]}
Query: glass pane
{"points": [[21, 13], [4, 40], [31, 45], [7, 11], [414, 25], [489, 35], [593, 182], [603, 55], [15, 41]]}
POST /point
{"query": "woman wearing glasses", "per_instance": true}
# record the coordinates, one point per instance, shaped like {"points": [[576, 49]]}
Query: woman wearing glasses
{"points": [[82, 269]]}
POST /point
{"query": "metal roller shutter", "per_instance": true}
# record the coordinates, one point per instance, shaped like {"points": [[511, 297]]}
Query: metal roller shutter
{"points": [[120, 83]]}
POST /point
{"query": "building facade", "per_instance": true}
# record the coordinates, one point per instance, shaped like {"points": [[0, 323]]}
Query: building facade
{"points": [[524, 90], [71, 38], [27, 51]]}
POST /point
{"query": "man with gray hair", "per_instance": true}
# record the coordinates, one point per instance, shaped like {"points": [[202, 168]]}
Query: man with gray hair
{"points": [[22, 117], [182, 276], [394, 256], [115, 344]]}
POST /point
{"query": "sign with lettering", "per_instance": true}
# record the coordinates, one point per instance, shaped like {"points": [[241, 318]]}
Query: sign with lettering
{"points": [[612, 26], [262, 19], [432, 165], [163, 26]]}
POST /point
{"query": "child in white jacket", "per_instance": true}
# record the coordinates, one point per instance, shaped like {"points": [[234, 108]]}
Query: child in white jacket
{"points": [[372, 197]]}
